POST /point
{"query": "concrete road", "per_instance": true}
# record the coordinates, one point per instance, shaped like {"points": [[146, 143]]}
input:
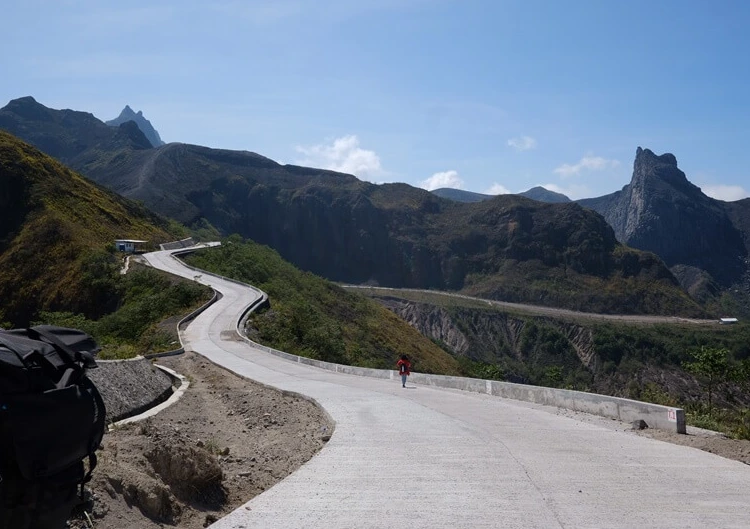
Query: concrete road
{"points": [[431, 458]]}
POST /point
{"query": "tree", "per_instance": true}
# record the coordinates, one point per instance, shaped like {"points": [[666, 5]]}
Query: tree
{"points": [[713, 367]]}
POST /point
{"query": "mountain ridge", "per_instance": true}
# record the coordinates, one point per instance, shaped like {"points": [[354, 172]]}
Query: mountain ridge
{"points": [[538, 193]]}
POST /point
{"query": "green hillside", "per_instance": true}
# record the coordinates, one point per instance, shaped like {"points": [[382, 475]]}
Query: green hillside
{"points": [[55, 230], [312, 317]]}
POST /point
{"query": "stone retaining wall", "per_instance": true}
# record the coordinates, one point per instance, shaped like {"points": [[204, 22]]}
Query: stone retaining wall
{"points": [[129, 387]]}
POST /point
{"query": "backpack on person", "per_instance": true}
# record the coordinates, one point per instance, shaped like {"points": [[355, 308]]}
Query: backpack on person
{"points": [[52, 417]]}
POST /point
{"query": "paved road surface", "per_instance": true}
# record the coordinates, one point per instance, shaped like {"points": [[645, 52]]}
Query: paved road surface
{"points": [[432, 458]]}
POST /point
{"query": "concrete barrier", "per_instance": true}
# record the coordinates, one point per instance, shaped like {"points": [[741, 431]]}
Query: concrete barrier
{"points": [[626, 410], [181, 324]]}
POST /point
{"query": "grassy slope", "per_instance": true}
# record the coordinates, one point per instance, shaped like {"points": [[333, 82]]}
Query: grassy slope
{"points": [[51, 222], [313, 317]]}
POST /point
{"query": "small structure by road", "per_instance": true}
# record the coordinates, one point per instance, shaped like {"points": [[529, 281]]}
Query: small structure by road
{"points": [[129, 245]]}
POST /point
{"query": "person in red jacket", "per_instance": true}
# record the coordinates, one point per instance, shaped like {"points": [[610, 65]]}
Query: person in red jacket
{"points": [[404, 369]]}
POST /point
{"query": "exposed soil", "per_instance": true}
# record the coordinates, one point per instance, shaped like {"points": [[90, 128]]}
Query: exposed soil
{"points": [[706, 440], [716, 443], [227, 440]]}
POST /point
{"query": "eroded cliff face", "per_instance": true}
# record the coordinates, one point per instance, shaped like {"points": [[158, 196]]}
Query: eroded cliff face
{"points": [[662, 212], [582, 340], [433, 322], [483, 335]]}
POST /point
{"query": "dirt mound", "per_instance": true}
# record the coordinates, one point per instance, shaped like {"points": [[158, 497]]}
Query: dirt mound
{"points": [[192, 473], [227, 440]]}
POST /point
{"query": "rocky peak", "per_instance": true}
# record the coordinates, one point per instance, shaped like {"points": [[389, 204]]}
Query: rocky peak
{"points": [[129, 112], [648, 156], [148, 130], [662, 212], [660, 172]]}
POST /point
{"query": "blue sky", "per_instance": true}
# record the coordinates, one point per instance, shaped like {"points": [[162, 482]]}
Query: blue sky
{"points": [[489, 96]]}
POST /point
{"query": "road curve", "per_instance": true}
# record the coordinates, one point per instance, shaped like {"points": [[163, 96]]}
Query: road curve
{"points": [[432, 458]]}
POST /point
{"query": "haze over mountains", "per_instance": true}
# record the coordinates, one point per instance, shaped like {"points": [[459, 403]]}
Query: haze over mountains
{"points": [[344, 229]]}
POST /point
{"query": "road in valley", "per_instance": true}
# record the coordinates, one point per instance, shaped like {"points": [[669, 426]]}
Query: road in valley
{"points": [[431, 458], [537, 310]]}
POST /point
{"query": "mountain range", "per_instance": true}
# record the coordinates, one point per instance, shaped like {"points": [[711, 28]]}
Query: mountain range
{"points": [[535, 193], [332, 224]]}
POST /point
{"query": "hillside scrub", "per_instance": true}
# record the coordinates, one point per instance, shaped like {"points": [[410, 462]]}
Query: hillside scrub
{"points": [[312, 317], [143, 299], [54, 226]]}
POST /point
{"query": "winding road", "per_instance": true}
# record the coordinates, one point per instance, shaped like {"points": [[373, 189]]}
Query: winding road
{"points": [[432, 458]]}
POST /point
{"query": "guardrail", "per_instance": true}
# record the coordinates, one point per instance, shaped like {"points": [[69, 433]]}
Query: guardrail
{"points": [[626, 410], [216, 296]]}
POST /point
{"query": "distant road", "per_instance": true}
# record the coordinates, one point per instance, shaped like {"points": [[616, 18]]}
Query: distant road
{"points": [[547, 311], [426, 458]]}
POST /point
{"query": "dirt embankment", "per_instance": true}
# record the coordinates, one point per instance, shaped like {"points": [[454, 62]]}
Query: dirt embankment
{"points": [[227, 440]]}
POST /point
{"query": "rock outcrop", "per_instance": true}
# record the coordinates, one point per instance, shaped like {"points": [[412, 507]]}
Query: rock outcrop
{"points": [[662, 212]]}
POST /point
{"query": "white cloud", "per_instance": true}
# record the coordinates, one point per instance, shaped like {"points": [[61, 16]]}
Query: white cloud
{"points": [[497, 189], [588, 163], [443, 179], [524, 143], [724, 192], [573, 192], [343, 155]]}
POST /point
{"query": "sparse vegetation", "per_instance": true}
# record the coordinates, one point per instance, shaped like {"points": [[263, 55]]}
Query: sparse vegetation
{"points": [[713, 367]]}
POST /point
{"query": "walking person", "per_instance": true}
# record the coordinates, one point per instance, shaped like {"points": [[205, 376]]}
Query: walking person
{"points": [[404, 369]]}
